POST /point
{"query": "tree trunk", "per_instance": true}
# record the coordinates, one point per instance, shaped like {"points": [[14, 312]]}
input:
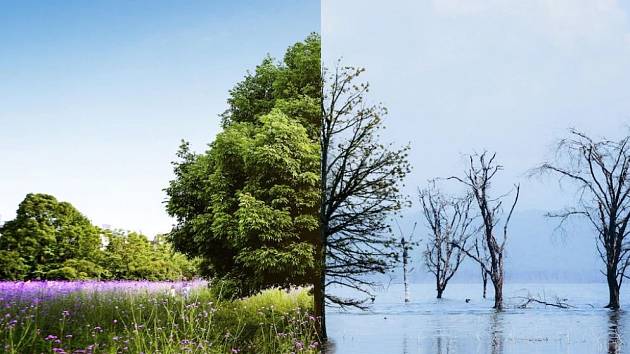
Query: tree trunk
{"points": [[405, 281], [319, 286], [498, 294], [407, 297], [439, 293], [613, 289], [320, 305]]}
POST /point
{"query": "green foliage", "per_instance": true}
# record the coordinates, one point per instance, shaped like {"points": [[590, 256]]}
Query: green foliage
{"points": [[132, 256], [12, 266], [78, 269], [46, 233], [248, 206], [293, 85], [52, 240]]}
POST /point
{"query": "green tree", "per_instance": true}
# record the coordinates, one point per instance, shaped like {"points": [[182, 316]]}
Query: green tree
{"points": [[12, 266], [132, 256], [248, 206], [46, 233]]}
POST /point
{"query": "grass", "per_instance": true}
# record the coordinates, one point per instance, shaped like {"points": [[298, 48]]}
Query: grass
{"points": [[274, 321]]}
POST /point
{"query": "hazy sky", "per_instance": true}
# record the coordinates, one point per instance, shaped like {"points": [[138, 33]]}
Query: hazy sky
{"points": [[96, 95], [509, 76]]}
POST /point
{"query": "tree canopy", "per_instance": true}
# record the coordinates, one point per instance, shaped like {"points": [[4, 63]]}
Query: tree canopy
{"points": [[46, 233], [248, 205], [49, 239]]}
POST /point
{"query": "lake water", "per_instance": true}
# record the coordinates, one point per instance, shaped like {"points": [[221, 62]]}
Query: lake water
{"points": [[450, 325]]}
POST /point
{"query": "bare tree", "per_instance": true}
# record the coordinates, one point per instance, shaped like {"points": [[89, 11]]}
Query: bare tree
{"points": [[599, 168], [478, 178], [406, 245], [450, 223], [360, 180]]}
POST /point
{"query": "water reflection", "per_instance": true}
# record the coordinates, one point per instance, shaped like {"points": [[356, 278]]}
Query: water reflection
{"points": [[329, 347], [443, 344], [496, 333], [405, 347], [614, 332]]}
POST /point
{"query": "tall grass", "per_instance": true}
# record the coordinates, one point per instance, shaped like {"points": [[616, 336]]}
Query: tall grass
{"points": [[274, 321]]}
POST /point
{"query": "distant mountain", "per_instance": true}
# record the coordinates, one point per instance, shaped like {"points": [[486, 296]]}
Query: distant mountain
{"points": [[537, 251]]}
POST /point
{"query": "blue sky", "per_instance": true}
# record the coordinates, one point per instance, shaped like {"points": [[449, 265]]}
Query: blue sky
{"points": [[96, 96]]}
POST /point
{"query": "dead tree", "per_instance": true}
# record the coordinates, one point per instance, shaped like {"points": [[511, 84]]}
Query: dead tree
{"points": [[406, 245], [360, 189], [478, 178], [450, 223], [600, 171]]}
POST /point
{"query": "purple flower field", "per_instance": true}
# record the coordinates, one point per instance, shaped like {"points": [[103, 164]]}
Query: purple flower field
{"points": [[150, 317], [37, 291]]}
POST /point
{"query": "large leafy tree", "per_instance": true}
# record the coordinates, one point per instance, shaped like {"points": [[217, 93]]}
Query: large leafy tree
{"points": [[45, 234], [248, 205]]}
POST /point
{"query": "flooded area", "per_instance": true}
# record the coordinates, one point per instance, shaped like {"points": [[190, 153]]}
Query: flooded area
{"points": [[452, 325]]}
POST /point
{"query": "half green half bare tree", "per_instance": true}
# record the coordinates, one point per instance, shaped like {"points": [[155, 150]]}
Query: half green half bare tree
{"points": [[478, 178], [360, 190], [600, 171], [450, 223]]}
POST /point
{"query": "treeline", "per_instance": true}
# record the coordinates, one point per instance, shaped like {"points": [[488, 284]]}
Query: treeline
{"points": [[49, 239]]}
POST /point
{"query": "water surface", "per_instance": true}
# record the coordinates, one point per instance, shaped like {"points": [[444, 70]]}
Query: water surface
{"points": [[450, 325]]}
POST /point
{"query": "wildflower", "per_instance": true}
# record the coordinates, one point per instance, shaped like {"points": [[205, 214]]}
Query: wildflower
{"points": [[235, 350], [298, 345], [50, 337]]}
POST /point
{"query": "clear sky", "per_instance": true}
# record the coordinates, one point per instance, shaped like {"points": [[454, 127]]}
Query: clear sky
{"points": [[509, 76], [460, 76], [95, 96]]}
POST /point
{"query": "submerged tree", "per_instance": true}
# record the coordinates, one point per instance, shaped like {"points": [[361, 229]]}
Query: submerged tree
{"points": [[478, 178], [600, 170], [360, 180], [449, 220], [406, 244]]}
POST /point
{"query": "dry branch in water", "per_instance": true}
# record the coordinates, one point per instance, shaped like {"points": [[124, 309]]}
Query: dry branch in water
{"points": [[558, 303]]}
